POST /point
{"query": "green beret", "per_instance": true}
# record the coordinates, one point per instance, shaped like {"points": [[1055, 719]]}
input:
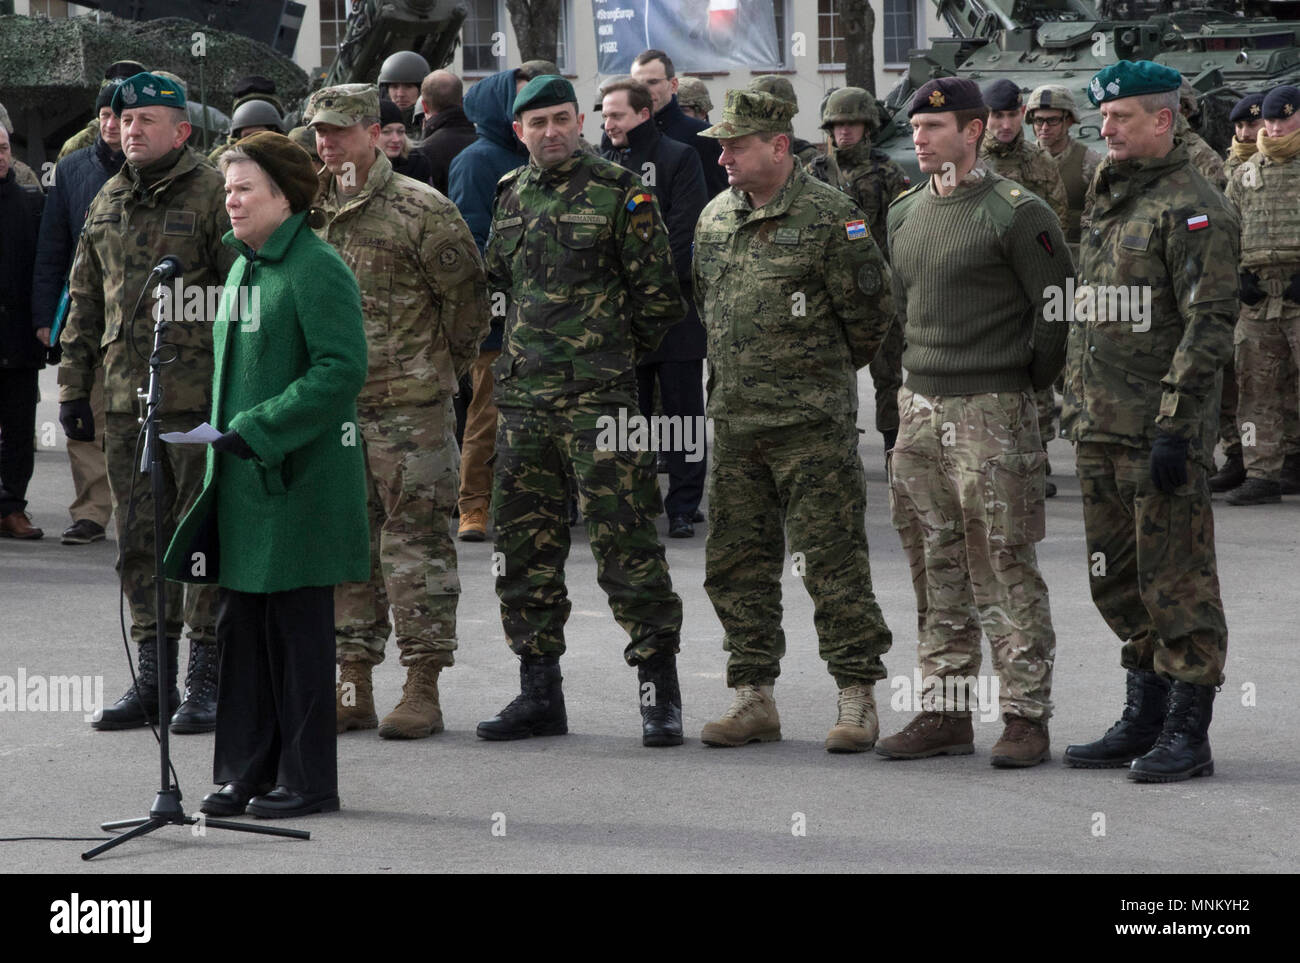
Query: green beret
{"points": [[343, 105], [147, 90], [752, 112], [548, 90], [1129, 78]]}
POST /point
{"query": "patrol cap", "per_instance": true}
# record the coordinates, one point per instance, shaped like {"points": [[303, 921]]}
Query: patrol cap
{"points": [[946, 94], [1129, 78], [1281, 102], [344, 105], [1052, 97], [752, 112], [691, 92], [147, 90], [774, 84], [1003, 94], [1250, 107], [548, 90]]}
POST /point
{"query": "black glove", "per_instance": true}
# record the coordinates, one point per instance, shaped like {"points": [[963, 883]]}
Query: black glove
{"points": [[1251, 292], [1292, 292], [232, 444], [77, 419], [1168, 462]]}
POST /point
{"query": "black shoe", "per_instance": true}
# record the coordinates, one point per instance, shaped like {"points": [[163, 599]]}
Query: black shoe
{"points": [[661, 701], [1256, 491], [679, 526], [1136, 732], [1049, 489], [538, 710], [1183, 749], [697, 516], [1290, 480], [231, 799], [139, 704], [891, 439], [83, 533], [198, 713], [1231, 475], [284, 803]]}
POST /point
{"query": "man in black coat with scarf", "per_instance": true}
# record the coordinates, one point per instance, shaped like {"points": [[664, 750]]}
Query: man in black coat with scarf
{"points": [[654, 68]]}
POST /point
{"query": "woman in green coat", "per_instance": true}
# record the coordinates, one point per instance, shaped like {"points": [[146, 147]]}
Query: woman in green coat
{"points": [[282, 515]]}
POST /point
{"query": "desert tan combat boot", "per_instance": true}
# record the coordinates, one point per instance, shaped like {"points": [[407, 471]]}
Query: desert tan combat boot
{"points": [[751, 718], [856, 728], [354, 697], [418, 714], [1024, 742], [931, 734]]}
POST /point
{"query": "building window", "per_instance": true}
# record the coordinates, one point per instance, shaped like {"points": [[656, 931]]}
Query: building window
{"points": [[780, 9], [900, 30], [830, 35], [482, 25], [333, 27], [54, 9]]}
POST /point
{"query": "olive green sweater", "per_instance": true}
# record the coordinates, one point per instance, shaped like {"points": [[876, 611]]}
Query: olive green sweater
{"points": [[972, 272]]}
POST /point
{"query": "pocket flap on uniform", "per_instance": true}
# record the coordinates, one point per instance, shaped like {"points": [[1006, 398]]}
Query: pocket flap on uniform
{"points": [[1136, 235]]}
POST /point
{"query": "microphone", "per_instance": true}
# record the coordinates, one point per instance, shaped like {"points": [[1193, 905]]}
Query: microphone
{"points": [[168, 268]]}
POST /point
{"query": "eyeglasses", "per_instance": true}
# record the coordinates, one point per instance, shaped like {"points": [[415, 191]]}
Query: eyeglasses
{"points": [[1047, 121]]}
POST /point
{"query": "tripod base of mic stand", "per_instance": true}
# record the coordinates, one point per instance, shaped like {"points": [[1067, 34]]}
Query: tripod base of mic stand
{"points": [[167, 811]]}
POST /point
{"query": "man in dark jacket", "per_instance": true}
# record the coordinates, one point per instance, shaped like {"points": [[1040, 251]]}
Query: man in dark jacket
{"points": [[473, 184], [673, 172], [447, 131], [21, 355], [77, 179], [654, 68]]}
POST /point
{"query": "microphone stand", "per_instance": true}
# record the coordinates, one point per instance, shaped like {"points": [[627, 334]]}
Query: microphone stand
{"points": [[166, 809]]}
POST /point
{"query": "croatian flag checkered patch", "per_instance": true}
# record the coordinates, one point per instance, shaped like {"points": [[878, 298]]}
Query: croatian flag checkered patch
{"points": [[855, 229]]}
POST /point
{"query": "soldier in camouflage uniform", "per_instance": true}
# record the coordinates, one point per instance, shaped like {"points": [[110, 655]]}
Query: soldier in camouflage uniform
{"points": [[578, 255], [1051, 112], [1145, 387], [795, 299], [977, 262], [805, 152], [849, 117], [693, 98], [165, 201], [1201, 154], [424, 302], [1268, 332], [1005, 151]]}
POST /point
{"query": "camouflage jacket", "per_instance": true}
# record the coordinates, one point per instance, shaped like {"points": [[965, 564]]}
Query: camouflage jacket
{"points": [[129, 228], [1238, 154], [1263, 192], [1201, 154], [795, 297], [578, 255], [1030, 166], [423, 295], [1158, 226], [82, 138], [866, 175]]}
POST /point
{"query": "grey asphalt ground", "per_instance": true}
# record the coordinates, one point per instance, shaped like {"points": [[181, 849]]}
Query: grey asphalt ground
{"points": [[596, 801]]}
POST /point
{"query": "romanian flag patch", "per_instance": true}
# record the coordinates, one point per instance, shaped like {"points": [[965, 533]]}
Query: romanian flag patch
{"points": [[1198, 222], [638, 200], [855, 229]]}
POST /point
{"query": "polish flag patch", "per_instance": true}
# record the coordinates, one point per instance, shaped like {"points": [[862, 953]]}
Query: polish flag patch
{"points": [[1198, 222]]}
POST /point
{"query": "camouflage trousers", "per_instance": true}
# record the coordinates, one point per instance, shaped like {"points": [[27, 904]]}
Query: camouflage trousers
{"points": [[182, 471], [1151, 563], [966, 484], [414, 470], [537, 452], [1267, 351], [887, 377], [1045, 412], [800, 487]]}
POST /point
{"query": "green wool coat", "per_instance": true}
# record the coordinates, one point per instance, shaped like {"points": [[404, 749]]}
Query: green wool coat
{"points": [[288, 367]]}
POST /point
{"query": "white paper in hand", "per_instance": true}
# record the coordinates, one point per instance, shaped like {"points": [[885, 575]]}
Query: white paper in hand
{"points": [[204, 434]]}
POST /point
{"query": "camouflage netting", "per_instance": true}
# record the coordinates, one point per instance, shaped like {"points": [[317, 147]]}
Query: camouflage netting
{"points": [[63, 61]]}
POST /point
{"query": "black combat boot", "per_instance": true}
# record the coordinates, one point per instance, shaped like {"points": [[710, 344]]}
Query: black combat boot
{"points": [[198, 713], [538, 710], [661, 701], [1137, 730], [1183, 749], [1231, 475], [1255, 491], [139, 704]]}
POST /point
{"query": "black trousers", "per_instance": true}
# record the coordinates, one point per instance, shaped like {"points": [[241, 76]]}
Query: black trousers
{"points": [[18, 393], [275, 690], [681, 392]]}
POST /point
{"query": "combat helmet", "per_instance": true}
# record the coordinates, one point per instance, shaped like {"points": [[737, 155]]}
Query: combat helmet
{"points": [[851, 105], [1053, 97], [255, 113], [404, 67]]}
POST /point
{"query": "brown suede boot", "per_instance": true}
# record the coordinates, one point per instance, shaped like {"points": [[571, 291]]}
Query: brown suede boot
{"points": [[418, 714], [751, 718], [856, 728], [354, 697], [931, 734], [1024, 743]]}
